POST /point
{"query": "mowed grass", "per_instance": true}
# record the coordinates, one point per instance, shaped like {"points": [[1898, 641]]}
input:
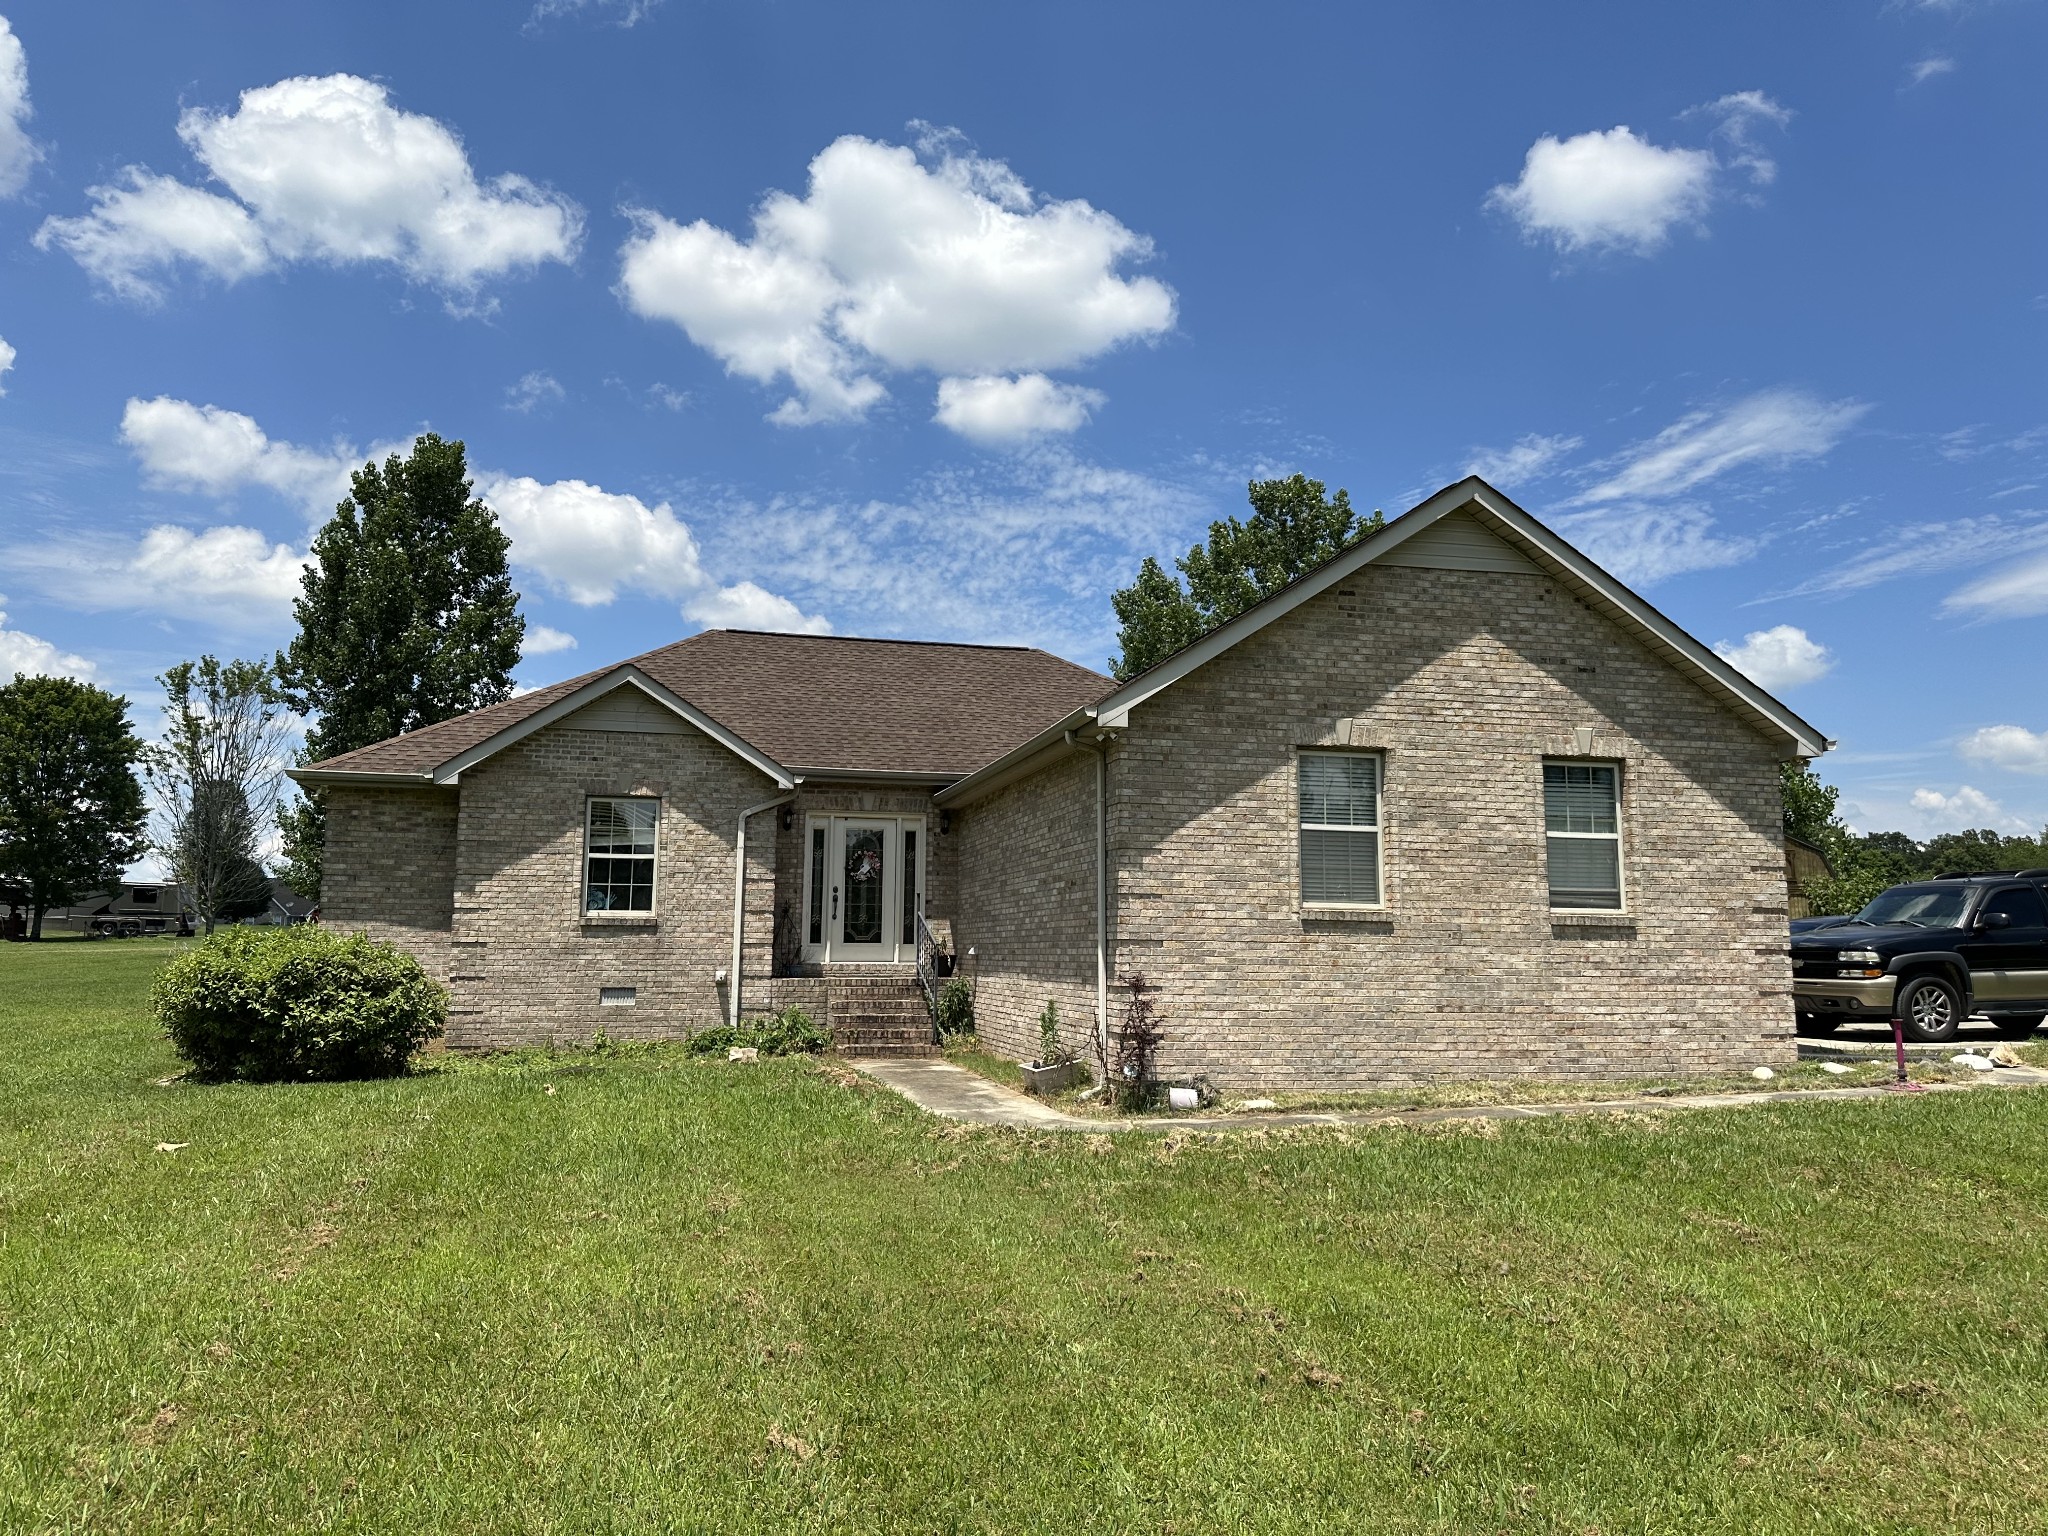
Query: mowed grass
{"points": [[644, 1293]]}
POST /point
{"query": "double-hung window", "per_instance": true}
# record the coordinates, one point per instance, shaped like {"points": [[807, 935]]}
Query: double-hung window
{"points": [[1340, 828], [1582, 826], [618, 856]]}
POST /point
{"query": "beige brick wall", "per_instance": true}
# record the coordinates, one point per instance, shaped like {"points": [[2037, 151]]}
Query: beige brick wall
{"points": [[390, 868], [1027, 906], [528, 964], [1466, 681]]}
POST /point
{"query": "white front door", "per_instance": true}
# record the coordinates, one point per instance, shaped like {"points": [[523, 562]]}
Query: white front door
{"points": [[865, 880], [864, 885]]}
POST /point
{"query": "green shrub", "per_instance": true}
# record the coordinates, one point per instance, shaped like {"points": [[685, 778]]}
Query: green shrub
{"points": [[292, 1004], [955, 1014], [789, 1033]]}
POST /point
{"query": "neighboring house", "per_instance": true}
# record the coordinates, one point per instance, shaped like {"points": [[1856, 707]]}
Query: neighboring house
{"points": [[1456, 804], [1805, 867]]}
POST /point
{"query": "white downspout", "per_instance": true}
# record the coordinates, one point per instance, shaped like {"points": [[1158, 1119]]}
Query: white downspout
{"points": [[739, 898], [1100, 748]]}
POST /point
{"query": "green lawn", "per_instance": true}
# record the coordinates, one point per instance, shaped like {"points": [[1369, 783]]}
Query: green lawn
{"points": [[644, 1293]]}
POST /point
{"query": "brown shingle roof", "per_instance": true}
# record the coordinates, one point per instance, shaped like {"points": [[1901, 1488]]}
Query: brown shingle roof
{"points": [[813, 702]]}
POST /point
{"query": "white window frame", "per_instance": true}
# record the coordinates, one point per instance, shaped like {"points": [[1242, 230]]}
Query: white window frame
{"points": [[1378, 829], [653, 858], [1616, 836]]}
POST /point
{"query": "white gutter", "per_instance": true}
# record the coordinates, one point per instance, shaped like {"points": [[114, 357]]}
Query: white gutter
{"points": [[1101, 751], [739, 898]]}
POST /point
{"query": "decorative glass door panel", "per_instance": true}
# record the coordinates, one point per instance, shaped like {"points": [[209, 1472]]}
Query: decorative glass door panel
{"points": [[867, 872]]}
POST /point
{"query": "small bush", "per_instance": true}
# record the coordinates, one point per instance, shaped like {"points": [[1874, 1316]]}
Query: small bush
{"points": [[955, 1014], [789, 1033], [291, 1004], [1051, 1053]]}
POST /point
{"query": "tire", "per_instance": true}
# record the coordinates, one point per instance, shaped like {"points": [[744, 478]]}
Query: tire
{"points": [[2017, 1026], [1930, 1009], [1819, 1023]]}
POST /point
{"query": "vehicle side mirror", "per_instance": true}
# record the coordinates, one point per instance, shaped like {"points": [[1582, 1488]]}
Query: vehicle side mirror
{"points": [[1993, 920]]}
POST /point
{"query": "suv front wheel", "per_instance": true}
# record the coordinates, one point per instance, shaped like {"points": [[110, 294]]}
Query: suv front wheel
{"points": [[1930, 1010]]}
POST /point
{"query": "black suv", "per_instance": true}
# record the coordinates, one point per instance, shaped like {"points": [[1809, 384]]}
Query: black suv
{"points": [[1930, 954]]}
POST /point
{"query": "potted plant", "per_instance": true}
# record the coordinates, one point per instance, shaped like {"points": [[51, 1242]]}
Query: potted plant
{"points": [[1056, 1067]]}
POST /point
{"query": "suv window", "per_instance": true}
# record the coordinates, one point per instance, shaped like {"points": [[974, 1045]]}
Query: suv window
{"points": [[2021, 904], [1924, 906]]}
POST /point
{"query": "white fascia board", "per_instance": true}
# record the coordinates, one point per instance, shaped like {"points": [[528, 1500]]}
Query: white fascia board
{"points": [[627, 676], [1551, 551]]}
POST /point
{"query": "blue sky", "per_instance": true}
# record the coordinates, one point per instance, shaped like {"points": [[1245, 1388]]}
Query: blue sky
{"points": [[932, 320]]}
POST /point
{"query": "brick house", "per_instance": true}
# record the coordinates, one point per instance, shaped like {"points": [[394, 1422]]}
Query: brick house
{"points": [[1456, 804]]}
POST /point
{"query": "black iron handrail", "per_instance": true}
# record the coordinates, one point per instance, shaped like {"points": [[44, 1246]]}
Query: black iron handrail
{"points": [[928, 970]]}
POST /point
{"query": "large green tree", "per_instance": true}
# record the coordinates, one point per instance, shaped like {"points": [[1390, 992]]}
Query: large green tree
{"points": [[1295, 526], [71, 808], [406, 614]]}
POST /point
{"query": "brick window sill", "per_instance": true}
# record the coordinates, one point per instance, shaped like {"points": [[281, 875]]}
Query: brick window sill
{"points": [[1577, 919], [1380, 917], [620, 920]]}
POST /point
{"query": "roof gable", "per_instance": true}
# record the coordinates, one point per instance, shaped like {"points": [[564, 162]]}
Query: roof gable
{"points": [[1477, 527]]}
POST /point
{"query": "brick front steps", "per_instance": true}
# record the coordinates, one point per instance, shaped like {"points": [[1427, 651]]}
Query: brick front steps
{"points": [[879, 1012]]}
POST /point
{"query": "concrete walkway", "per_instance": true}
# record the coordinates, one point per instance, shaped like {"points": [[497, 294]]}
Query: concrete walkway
{"points": [[955, 1093]]}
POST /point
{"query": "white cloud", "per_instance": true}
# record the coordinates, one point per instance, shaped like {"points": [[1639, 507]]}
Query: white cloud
{"points": [[1529, 457], [2017, 592], [231, 577], [1781, 657], [1773, 426], [21, 652], [542, 641], [1645, 544], [1927, 68], [588, 543], [948, 263], [1606, 190], [1737, 118], [991, 409], [7, 357], [1019, 548], [533, 390], [18, 152], [1959, 812], [1614, 190], [187, 447], [668, 399], [621, 13], [321, 169], [2011, 747], [1932, 547], [746, 606], [141, 221]]}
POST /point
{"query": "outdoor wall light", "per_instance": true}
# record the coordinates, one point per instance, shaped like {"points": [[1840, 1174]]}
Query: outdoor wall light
{"points": [[788, 818], [945, 822]]}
